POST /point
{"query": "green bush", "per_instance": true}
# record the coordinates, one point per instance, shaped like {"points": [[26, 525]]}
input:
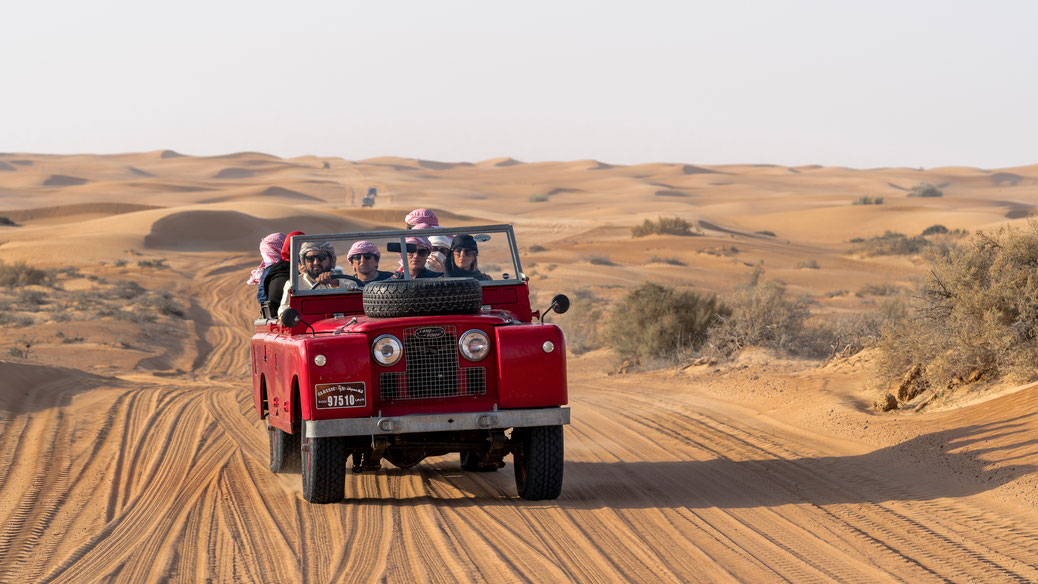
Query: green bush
{"points": [[599, 260], [880, 289], [538, 198], [935, 230], [765, 232], [656, 324], [925, 190], [976, 316], [6, 221], [760, 315], [20, 274], [663, 226], [867, 200], [672, 261], [806, 265], [890, 243]]}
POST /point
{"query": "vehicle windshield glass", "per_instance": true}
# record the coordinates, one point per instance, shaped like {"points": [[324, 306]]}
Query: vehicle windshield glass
{"points": [[487, 253]]}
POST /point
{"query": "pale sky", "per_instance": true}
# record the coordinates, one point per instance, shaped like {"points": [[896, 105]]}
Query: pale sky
{"points": [[859, 84]]}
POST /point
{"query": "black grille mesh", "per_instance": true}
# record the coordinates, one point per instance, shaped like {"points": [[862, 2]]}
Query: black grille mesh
{"points": [[431, 358]]}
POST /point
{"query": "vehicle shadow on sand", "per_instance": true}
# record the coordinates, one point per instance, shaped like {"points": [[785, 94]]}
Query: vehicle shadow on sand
{"points": [[947, 464]]}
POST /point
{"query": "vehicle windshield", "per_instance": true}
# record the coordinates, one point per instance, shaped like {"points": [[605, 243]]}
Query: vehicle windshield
{"points": [[487, 253]]}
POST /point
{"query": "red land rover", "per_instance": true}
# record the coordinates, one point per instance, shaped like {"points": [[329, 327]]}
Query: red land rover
{"points": [[404, 368]]}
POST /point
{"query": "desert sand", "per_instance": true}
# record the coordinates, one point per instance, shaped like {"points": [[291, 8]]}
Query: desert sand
{"points": [[130, 450]]}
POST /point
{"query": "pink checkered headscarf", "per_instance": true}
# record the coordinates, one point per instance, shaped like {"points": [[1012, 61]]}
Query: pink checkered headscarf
{"points": [[420, 242], [270, 252], [422, 216], [363, 247]]}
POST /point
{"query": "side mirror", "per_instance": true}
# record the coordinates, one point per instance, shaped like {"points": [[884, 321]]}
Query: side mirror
{"points": [[290, 317], [560, 304]]}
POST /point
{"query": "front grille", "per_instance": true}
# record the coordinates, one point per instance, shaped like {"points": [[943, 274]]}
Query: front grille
{"points": [[431, 358]]}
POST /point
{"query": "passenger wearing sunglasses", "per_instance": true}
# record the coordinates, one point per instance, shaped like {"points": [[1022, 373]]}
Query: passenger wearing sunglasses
{"points": [[416, 260], [463, 261], [441, 248], [316, 270], [364, 257]]}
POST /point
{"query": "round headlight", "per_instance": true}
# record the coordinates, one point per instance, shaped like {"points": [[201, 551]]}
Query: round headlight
{"points": [[387, 350], [474, 345], [320, 360]]}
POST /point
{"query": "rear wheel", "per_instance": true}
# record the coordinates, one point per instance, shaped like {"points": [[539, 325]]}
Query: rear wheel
{"points": [[323, 468], [538, 461], [284, 450]]}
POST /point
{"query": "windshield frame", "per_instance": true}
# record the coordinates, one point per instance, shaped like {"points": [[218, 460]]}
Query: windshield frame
{"points": [[402, 235]]}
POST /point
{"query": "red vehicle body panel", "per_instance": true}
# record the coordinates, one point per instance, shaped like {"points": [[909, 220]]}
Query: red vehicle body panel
{"points": [[519, 373]]}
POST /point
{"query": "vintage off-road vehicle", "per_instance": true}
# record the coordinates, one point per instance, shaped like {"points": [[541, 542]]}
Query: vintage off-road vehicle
{"points": [[404, 369]]}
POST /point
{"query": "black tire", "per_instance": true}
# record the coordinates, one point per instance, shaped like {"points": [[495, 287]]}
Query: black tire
{"points": [[538, 461], [284, 450], [323, 468], [423, 297], [473, 462]]}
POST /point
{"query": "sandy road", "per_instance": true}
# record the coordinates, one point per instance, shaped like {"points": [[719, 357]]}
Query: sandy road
{"points": [[150, 479]]}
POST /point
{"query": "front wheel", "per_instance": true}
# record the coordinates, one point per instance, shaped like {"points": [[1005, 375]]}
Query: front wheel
{"points": [[284, 450], [324, 468], [538, 459]]}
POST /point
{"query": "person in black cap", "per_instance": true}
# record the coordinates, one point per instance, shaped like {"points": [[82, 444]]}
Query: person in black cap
{"points": [[463, 261]]}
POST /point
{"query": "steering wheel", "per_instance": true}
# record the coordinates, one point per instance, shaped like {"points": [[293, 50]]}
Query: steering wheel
{"points": [[337, 277]]}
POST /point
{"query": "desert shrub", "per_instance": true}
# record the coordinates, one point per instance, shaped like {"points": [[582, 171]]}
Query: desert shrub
{"points": [[598, 260], [663, 226], [20, 274], [536, 248], [159, 263], [672, 261], [835, 293], [765, 232], [125, 290], [890, 243], [847, 334], [925, 190], [119, 263], [975, 317], [7, 221], [136, 315], [583, 322], [760, 316], [883, 289], [867, 200], [30, 299], [161, 302], [806, 265], [656, 324], [538, 198], [935, 229], [724, 250]]}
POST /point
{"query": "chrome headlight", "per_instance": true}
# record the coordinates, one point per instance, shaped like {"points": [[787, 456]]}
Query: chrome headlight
{"points": [[474, 345], [387, 350]]}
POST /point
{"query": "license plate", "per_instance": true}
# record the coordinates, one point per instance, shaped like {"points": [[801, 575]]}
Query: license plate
{"points": [[340, 395]]}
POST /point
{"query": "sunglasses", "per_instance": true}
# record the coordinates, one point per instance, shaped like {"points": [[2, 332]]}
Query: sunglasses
{"points": [[422, 252], [464, 252], [359, 256], [315, 258], [443, 250]]}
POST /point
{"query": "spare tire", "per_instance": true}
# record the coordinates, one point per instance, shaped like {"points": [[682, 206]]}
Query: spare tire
{"points": [[422, 297]]}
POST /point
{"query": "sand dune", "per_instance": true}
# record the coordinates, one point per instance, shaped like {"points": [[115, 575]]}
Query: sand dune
{"points": [[131, 451]]}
